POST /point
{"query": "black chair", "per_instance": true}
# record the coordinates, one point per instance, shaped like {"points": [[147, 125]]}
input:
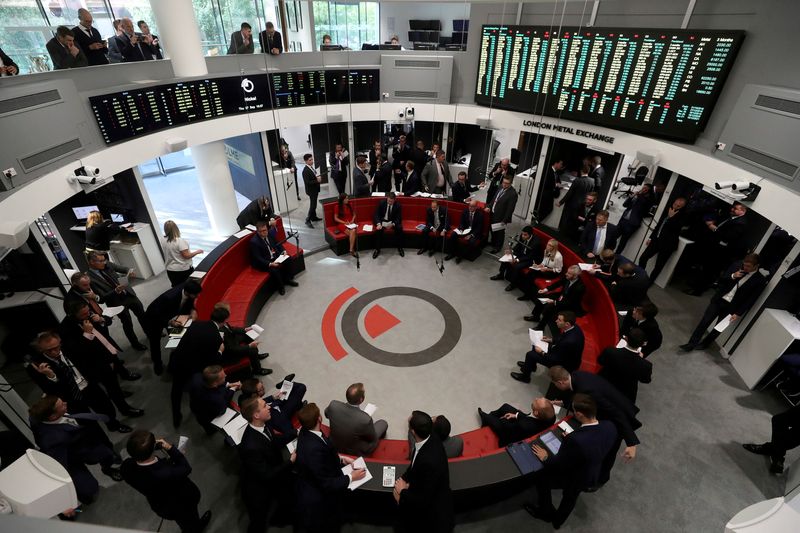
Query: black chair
{"points": [[633, 181]]}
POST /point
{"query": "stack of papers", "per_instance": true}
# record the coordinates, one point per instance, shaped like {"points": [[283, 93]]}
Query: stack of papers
{"points": [[351, 226], [197, 274], [586, 267], [113, 311], [721, 326], [425, 194], [438, 196], [622, 343], [370, 409], [462, 231], [281, 258], [358, 463], [250, 227], [386, 224], [379, 194], [235, 428], [255, 331], [286, 389], [536, 339], [497, 226], [565, 427], [224, 418], [545, 300], [367, 227], [507, 258], [243, 233]]}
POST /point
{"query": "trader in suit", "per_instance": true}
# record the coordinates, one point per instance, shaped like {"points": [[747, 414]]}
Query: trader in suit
{"points": [[636, 208], [437, 224], [785, 436], [568, 292], [131, 46], [210, 394], [242, 40], [453, 444], [472, 219], [7, 65], [282, 409], [164, 481], [436, 175], [612, 405], [311, 181], [566, 350], [361, 180], [630, 288], [352, 430], [64, 52], [500, 170], [461, 188], [572, 200], [339, 161], [419, 155], [257, 210], [388, 215], [322, 484], [512, 425], [411, 182], [104, 281], [526, 251], [171, 309], [598, 235], [271, 41], [664, 239], [737, 291], [238, 343], [75, 440], [266, 476], [401, 154], [576, 467], [265, 250], [626, 367], [587, 212], [423, 495], [377, 150], [81, 291], [551, 188], [382, 175], [643, 317], [153, 46], [89, 39], [501, 210], [598, 173], [720, 244]]}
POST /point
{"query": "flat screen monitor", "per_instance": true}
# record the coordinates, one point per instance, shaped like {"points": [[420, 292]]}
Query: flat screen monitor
{"points": [[82, 213], [657, 82], [330, 47], [116, 217], [390, 47]]}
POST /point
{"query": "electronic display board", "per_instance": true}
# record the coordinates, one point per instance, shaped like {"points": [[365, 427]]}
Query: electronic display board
{"points": [[662, 83]]}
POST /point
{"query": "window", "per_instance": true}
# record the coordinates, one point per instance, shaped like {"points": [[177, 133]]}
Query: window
{"points": [[25, 34], [349, 24]]}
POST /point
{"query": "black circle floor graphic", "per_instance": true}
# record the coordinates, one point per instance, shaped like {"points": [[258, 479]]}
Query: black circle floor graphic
{"points": [[448, 340]]}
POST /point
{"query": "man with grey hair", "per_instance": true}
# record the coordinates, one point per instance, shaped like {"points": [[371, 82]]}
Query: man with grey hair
{"points": [[570, 298], [131, 47]]}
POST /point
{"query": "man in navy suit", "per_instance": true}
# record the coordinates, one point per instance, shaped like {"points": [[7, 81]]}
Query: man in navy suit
{"points": [[388, 215], [339, 161], [566, 351], [210, 395], [437, 224], [526, 251], [637, 207], [598, 235], [322, 483], [577, 465], [626, 367], [282, 409], [163, 312], [423, 493], [472, 219], [569, 299], [643, 317], [265, 250]]}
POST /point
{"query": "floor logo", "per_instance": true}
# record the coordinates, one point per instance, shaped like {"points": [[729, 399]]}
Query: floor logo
{"points": [[377, 321]]}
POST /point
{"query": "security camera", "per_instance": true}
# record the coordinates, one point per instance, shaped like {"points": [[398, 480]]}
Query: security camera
{"points": [[409, 112], [87, 170], [401, 113], [86, 180], [723, 184], [741, 185]]}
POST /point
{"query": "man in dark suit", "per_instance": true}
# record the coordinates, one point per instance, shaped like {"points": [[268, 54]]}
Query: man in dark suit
{"points": [[81, 291], [382, 175], [89, 39], [388, 215], [500, 170], [74, 440], [572, 200], [170, 309], [612, 405], [377, 150], [551, 188], [576, 467], [131, 46], [587, 212], [164, 482], [436, 175], [643, 317], [265, 250], [568, 293], [737, 290], [525, 252], [501, 210], [566, 350], [472, 219], [114, 44], [242, 40], [105, 283], [598, 235], [401, 154], [437, 224], [422, 493], [512, 425], [282, 408], [339, 161], [361, 181], [636, 208], [626, 367], [461, 188], [419, 155], [64, 52], [257, 210], [720, 244], [664, 239], [598, 173], [7, 65], [630, 288], [238, 344], [311, 181], [210, 395], [152, 48], [322, 484], [411, 182], [271, 41], [266, 476], [352, 430], [785, 436]]}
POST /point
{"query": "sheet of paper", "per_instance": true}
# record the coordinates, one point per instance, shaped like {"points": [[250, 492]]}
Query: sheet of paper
{"points": [[545, 300], [281, 258], [586, 267], [388, 476], [183, 442], [250, 227], [416, 194], [235, 428], [565, 427], [286, 389], [379, 194], [536, 339], [370, 409], [462, 231], [497, 226], [622, 313], [622, 343], [291, 446], [243, 233], [351, 226], [124, 281], [421, 227], [255, 331], [507, 258], [224, 418], [197, 274], [723, 324], [113, 311], [172, 343], [437, 196], [425, 194], [387, 224], [558, 409], [367, 227], [358, 463]]}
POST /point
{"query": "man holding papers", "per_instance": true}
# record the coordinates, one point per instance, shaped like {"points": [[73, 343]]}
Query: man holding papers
{"points": [[643, 316], [267, 254], [526, 251], [388, 215], [170, 309], [468, 233], [437, 224], [266, 473], [565, 294], [210, 394], [282, 405], [240, 342], [737, 291], [500, 207], [423, 492], [566, 351], [352, 430]]}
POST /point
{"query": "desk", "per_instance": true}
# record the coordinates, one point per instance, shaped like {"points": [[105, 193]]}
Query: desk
{"points": [[769, 337], [669, 269], [283, 185], [137, 249]]}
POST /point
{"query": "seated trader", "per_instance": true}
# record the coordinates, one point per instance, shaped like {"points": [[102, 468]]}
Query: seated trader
{"points": [[266, 476], [461, 188], [785, 436], [164, 481], [210, 395], [598, 235], [471, 219], [437, 224], [352, 430], [577, 465], [436, 174], [265, 250], [566, 350], [257, 210], [630, 288], [237, 343], [512, 425], [738, 289], [412, 184], [569, 299], [626, 367], [64, 53], [526, 251], [643, 317], [282, 408], [242, 40], [453, 445], [170, 309], [74, 440], [388, 215]]}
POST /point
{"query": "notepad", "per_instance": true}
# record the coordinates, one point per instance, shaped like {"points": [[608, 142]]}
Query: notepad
{"points": [[286, 389], [586, 267], [291, 446], [197, 274], [367, 227], [243, 233], [497, 226], [255, 331], [370, 409], [550, 441], [536, 339], [723, 324], [113, 311], [358, 463], [351, 226], [507, 258], [281, 258], [235, 428], [172, 343], [224, 418], [250, 227], [379, 194]]}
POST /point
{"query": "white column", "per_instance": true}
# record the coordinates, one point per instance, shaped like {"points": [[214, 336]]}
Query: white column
{"points": [[180, 34]]}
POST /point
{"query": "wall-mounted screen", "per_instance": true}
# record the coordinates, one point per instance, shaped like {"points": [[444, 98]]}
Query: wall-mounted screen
{"points": [[657, 82]]}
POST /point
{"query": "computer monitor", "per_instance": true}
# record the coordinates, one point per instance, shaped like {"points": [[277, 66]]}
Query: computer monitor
{"points": [[330, 47], [390, 47], [425, 46], [82, 213], [367, 46], [117, 217]]}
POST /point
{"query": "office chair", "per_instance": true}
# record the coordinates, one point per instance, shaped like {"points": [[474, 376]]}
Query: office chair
{"points": [[633, 181]]}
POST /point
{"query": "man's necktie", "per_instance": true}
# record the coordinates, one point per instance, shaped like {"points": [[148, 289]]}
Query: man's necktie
{"points": [[109, 278], [597, 236], [66, 370]]}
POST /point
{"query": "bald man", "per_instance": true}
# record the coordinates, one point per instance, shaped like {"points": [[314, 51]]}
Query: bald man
{"points": [[89, 40], [512, 425]]}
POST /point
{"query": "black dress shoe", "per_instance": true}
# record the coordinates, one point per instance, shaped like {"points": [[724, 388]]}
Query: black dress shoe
{"points": [[458, 260], [127, 375], [138, 346], [292, 283], [375, 253], [530, 318], [688, 347], [448, 257], [281, 291], [204, 520], [482, 415], [120, 428], [421, 251], [289, 377], [521, 377], [539, 513], [509, 287], [401, 252], [523, 298], [132, 412], [496, 277], [113, 473], [316, 219], [263, 372], [521, 364], [760, 449], [309, 224], [263, 356]]}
